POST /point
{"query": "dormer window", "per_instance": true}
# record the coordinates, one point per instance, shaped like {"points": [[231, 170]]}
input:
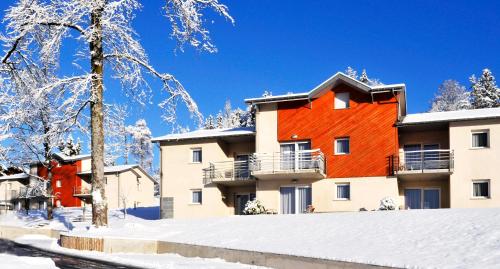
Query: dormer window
{"points": [[341, 100]]}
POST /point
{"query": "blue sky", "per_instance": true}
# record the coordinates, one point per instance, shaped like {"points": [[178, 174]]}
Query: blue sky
{"points": [[291, 46]]}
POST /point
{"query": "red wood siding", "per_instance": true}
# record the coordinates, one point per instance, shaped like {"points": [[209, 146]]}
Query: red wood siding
{"points": [[370, 127], [67, 173]]}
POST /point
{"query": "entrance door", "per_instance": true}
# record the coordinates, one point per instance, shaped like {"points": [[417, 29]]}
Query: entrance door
{"points": [[240, 203], [287, 199], [431, 198], [413, 198]]}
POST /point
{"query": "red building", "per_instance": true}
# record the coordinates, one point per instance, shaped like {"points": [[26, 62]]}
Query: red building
{"points": [[65, 178]]}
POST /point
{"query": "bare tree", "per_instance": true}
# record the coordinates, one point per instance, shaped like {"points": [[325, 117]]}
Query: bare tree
{"points": [[36, 29]]}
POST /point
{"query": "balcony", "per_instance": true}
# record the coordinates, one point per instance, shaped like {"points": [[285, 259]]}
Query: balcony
{"points": [[230, 173], [424, 162], [304, 164], [82, 192]]}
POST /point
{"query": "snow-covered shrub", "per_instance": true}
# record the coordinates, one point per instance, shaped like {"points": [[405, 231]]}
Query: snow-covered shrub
{"points": [[254, 207], [388, 203]]}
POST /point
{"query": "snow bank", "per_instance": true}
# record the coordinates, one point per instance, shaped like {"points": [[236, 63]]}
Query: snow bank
{"points": [[159, 261]]}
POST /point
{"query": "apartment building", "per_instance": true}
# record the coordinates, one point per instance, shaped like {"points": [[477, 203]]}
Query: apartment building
{"points": [[71, 183], [341, 146]]}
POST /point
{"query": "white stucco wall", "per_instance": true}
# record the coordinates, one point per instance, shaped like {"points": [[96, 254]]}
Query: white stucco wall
{"points": [[474, 164]]}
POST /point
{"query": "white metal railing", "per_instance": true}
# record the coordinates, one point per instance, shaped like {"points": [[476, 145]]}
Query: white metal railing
{"points": [[294, 161], [226, 171], [422, 160], [81, 191]]}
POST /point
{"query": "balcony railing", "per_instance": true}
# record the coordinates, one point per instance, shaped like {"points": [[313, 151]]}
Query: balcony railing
{"points": [[424, 161], [81, 191], [288, 162], [227, 171]]}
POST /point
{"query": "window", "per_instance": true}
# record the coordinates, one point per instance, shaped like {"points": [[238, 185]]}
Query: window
{"points": [[196, 197], [138, 184], [341, 100], [105, 180], [196, 155], [342, 146], [481, 189], [343, 191], [480, 139], [58, 183]]}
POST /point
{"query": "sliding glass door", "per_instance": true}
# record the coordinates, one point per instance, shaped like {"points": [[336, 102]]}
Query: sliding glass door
{"points": [[295, 155], [295, 199]]}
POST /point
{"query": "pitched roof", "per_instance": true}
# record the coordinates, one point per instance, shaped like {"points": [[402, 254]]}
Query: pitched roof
{"points": [[334, 80], [120, 169], [66, 158], [448, 116], [211, 133], [15, 176]]}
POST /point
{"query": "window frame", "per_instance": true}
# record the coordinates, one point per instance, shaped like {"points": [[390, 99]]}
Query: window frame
{"points": [[191, 156], [337, 198], [487, 181], [192, 202], [347, 102], [484, 131], [336, 147]]}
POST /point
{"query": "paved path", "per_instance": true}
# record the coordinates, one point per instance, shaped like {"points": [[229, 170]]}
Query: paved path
{"points": [[62, 261]]}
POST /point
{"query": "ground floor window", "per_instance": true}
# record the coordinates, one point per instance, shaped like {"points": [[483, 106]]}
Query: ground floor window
{"points": [[418, 198], [343, 191], [295, 199], [196, 196], [481, 188]]}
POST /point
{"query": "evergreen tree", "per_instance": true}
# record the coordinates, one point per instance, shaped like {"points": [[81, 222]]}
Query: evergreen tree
{"points": [[450, 96], [364, 77], [69, 148], [485, 93]]}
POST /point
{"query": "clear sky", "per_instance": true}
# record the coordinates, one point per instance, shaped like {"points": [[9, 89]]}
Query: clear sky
{"points": [[291, 46]]}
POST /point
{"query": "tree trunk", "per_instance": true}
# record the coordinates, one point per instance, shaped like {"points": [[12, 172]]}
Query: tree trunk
{"points": [[49, 193], [99, 203]]}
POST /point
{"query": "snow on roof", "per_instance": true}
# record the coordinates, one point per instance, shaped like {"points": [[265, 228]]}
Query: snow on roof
{"points": [[120, 169], [113, 169], [203, 133], [66, 158], [447, 116], [15, 176], [325, 85]]}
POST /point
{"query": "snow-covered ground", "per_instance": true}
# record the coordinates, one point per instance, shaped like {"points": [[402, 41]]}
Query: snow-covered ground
{"points": [[442, 238], [21, 262]]}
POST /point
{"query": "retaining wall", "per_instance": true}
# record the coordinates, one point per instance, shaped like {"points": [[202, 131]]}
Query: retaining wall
{"points": [[13, 232]]}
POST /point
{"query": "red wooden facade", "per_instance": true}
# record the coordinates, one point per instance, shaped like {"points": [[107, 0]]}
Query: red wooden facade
{"points": [[369, 126], [66, 173]]}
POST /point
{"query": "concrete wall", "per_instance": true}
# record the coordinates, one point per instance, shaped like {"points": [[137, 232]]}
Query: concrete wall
{"points": [[180, 176], [474, 164], [366, 193]]}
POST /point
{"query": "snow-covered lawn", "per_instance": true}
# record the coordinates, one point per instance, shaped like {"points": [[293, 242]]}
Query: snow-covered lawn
{"points": [[442, 238]]}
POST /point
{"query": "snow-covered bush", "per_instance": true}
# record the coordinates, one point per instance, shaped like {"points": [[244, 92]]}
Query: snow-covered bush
{"points": [[254, 207], [388, 203]]}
